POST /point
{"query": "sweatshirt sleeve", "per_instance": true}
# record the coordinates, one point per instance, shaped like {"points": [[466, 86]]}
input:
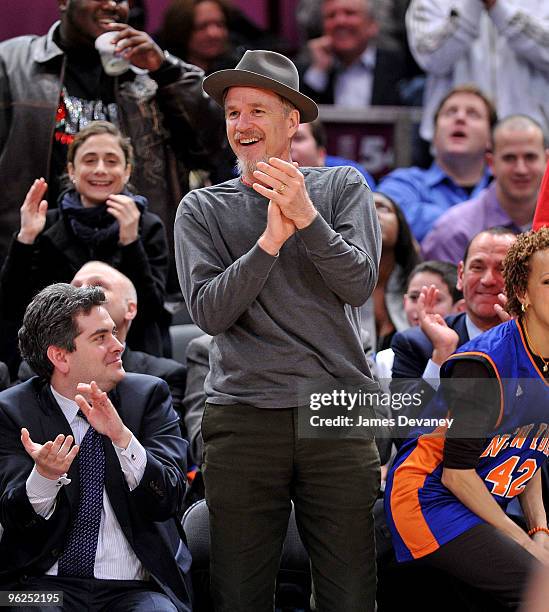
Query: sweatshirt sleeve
{"points": [[207, 285], [347, 254], [440, 32]]}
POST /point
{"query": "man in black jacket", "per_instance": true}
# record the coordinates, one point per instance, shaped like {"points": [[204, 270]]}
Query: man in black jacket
{"points": [[121, 305], [51, 86], [97, 519], [420, 351]]}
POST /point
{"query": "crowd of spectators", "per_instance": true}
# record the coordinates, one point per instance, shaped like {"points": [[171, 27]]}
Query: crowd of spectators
{"points": [[94, 166]]}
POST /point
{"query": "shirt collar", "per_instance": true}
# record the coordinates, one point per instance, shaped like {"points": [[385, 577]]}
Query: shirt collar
{"points": [[435, 175], [366, 60], [368, 57], [472, 329], [68, 406]]}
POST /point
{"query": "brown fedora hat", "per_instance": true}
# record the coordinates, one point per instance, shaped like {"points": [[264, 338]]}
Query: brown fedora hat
{"points": [[267, 70]]}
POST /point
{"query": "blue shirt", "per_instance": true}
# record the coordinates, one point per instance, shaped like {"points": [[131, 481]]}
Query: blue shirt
{"points": [[331, 161], [424, 195]]}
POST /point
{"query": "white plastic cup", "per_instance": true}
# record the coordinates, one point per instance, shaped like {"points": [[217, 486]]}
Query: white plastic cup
{"points": [[113, 64]]}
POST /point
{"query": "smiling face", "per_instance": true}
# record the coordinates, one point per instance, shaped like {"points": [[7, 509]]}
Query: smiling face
{"points": [[444, 301], [480, 277], [518, 162], [99, 169], [462, 127], [98, 353], [349, 26], [259, 126], [82, 21]]}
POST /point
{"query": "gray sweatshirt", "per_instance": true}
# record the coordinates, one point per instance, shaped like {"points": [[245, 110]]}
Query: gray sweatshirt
{"points": [[282, 322]]}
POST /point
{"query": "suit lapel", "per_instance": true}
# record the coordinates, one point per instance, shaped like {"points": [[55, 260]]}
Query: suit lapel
{"points": [[53, 424], [115, 482], [460, 327], [54, 421]]}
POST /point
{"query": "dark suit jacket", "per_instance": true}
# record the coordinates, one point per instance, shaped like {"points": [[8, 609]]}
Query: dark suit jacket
{"points": [[173, 372], [4, 376], [412, 351], [388, 71], [31, 544]]}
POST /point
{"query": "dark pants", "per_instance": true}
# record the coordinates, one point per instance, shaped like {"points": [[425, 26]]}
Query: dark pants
{"points": [[254, 464], [485, 558], [94, 595]]}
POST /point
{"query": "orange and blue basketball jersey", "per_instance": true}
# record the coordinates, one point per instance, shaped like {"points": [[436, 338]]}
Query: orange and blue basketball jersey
{"points": [[421, 512]]}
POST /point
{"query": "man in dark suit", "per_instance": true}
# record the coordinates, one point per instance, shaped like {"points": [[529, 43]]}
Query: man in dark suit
{"points": [[122, 306], [420, 351], [346, 67], [96, 519]]}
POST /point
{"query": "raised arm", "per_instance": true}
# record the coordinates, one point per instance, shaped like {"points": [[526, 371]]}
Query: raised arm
{"points": [[441, 32], [526, 31], [215, 294], [347, 254]]}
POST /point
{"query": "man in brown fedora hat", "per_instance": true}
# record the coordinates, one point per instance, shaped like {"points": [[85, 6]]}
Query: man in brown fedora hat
{"points": [[274, 265]]}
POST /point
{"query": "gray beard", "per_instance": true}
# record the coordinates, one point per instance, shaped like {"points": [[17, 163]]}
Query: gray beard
{"points": [[246, 167]]}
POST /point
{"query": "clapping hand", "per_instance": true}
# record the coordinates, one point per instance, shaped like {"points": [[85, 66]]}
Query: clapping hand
{"points": [[52, 459], [503, 315], [444, 339], [101, 414], [322, 57], [125, 211], [284, 184], [33, 212]]}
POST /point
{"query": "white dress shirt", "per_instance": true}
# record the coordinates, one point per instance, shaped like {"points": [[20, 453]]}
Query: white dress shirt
{"points": [[114, 558], [431, 374], [353, 84]]}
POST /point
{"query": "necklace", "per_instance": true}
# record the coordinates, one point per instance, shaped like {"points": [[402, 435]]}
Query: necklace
{"points": [[534, 350]]}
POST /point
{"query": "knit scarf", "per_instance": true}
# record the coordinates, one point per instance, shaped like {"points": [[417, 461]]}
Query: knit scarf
{"points": [[93, 225]]}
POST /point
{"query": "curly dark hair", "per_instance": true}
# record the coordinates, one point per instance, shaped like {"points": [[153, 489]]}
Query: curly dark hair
{"points": [[516, 265], [50, 320]]}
